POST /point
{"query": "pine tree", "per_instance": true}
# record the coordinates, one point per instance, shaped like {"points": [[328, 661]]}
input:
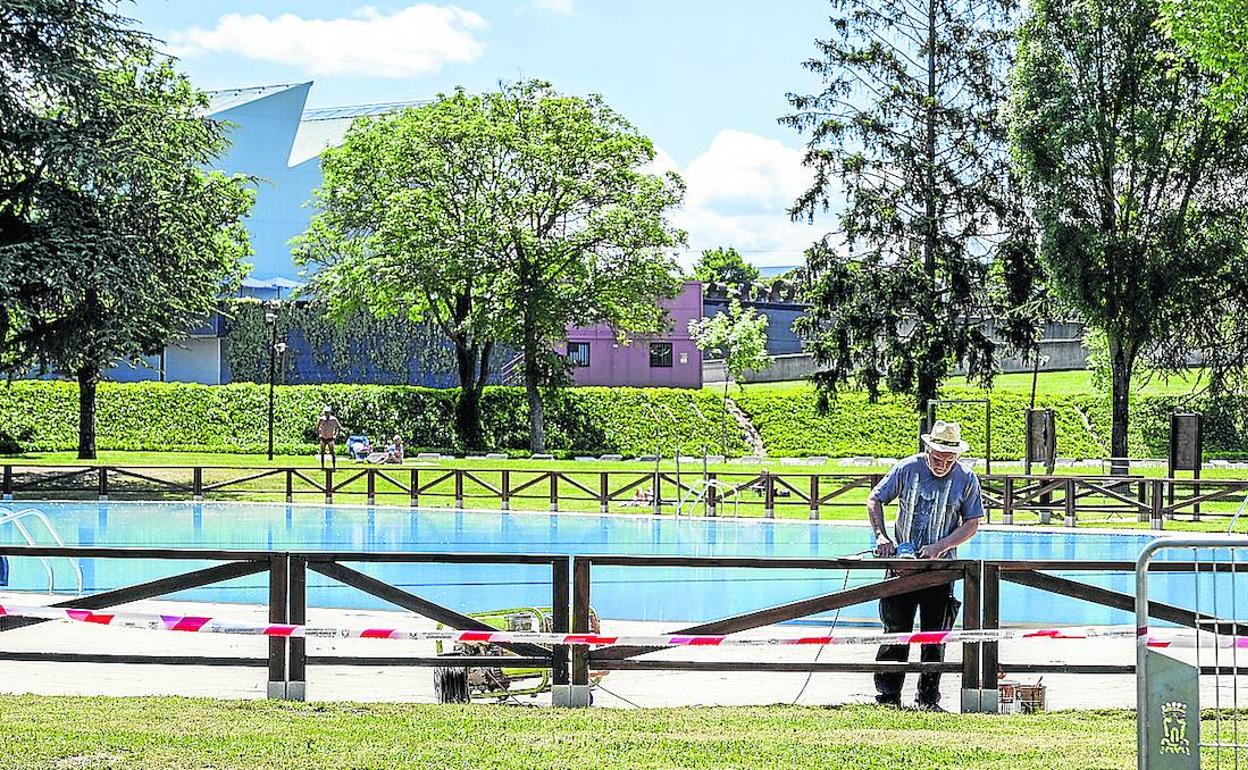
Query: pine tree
{"points": [[907, 128]]}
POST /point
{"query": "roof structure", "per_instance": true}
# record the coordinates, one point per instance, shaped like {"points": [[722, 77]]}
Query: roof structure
{"points": [[325, 127], [228, 99]]}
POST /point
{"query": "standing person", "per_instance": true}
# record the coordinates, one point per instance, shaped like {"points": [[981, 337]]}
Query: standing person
{"points": [[939, 506], [327, 429]]}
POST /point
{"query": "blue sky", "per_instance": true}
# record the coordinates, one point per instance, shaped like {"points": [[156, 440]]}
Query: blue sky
{"points": [[705, 80]]}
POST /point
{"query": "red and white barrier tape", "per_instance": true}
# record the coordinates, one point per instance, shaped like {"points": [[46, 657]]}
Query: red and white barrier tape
{"points": [[199, 624]]}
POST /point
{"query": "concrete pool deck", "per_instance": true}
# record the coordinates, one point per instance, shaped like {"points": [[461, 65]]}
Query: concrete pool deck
{"points": [[621, 689]]}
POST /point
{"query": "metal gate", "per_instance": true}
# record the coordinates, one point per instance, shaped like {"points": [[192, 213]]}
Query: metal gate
{"points": [[1174, 668]]}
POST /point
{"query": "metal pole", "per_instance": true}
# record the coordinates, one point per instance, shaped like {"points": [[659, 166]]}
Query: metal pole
{"points": [[272, 376]]}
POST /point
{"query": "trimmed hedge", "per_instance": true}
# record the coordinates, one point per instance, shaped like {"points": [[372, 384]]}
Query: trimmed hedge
{"points": [[790, 424], [42, 415]]}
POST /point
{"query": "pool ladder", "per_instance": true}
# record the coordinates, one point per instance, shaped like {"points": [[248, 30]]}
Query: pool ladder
{"points": [[1242, 507], [9, 516], [697, 494]]}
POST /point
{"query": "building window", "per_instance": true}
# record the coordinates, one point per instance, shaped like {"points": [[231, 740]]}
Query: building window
{"points": [[661, 355], [578, 354]]}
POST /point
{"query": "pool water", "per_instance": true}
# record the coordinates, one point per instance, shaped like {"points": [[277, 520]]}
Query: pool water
{"points": [[659, 594]]}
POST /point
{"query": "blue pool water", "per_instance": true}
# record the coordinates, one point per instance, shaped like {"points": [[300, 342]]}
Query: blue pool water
{"points": [[618, 592]]}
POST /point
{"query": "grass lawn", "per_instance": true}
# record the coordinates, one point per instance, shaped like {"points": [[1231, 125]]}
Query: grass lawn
{"points": [[1071, 383], [55, 733]]}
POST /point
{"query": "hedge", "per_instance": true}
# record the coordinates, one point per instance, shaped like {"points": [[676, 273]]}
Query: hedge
{"points": [[790, 424], [38, 415]]}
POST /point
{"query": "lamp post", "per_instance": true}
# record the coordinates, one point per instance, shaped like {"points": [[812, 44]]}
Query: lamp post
{"points": [[275, 348]]}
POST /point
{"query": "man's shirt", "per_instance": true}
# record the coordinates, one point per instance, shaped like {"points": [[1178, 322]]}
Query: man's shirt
{"points": [[929, 508]]}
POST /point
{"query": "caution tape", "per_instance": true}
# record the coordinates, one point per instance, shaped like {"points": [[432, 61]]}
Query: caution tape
{"points": [[208, 625]]}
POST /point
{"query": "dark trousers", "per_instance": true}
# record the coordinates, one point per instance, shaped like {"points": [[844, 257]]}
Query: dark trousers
{"points": [[937, 611]]}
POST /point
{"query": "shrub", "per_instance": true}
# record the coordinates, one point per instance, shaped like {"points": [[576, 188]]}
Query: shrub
{"points": [[42, 416]]}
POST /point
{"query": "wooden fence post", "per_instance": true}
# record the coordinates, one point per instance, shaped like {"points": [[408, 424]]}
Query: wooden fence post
{"points": [[290, 485], [103, 472], [814, 496], [1070, 502], [554, 491], [459, 488], [560, 607], [604, 492], [329, 485], [658, 494], [712, 495], [413, 489], [1157, 520], [1007, 500], [197, 483], [297, 612], [972, 615], [371, 475], [506, 490], [279, 593], [769, 495], [8, 482]]}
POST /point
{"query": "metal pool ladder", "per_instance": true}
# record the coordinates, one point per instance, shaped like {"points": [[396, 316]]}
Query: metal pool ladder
{"points": [[1242, 507], [10, 516]]}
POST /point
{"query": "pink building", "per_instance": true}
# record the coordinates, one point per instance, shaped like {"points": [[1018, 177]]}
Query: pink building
{"points": [[668, 360]]}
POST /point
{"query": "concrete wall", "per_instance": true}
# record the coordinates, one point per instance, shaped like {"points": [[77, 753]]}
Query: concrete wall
{"points": [[615, 363]]}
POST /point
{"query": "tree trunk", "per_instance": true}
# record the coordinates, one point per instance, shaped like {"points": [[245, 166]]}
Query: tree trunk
{"points": [[1122, 362], [927, 382], [88, 377], [532, 381], [468, 405]]}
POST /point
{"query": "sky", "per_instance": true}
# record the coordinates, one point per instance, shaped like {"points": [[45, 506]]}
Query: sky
{"points": [[704, 79]]}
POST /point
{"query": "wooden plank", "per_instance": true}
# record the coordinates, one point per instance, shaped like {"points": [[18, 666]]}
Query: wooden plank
{"points": [[149, 590], [1108, 598], [537, 479], [409, 601], [865, 667], [798, 609], [241, 480]]}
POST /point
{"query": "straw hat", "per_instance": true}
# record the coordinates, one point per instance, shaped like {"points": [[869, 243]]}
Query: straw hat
{"points": [[945, 437]]}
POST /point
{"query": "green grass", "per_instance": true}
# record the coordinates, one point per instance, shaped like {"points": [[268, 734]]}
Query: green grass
{"points": [[1076, 382], [57, 733]]}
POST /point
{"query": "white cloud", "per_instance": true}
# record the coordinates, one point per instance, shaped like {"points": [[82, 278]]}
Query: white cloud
{"points": [[415, 40], [739, 191], [556, 6]]}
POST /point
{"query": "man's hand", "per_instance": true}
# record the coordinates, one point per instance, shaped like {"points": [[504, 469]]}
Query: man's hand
{"points": [[931, 552], [885, 548]]}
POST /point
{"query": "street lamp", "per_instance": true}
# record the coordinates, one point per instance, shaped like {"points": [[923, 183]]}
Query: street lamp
{"points": [[275, 349]]}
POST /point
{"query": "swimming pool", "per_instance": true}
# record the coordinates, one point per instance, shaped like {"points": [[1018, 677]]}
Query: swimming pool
{"points": [[665, 594]]}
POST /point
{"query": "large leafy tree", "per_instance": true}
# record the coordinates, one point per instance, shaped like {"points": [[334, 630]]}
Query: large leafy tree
{"points": [[724, 265], [1139, 188], [51, 56], [113, 239], [130, 249], [906, 128], [407, 225], [504, 217], [582, 228], [1214, 33]]}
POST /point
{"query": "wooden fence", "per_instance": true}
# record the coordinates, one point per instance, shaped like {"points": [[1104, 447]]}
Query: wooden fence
{"points": [[1009, 498], [571, 596]]}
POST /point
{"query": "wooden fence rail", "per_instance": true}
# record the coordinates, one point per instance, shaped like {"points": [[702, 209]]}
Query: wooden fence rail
{"points": [[571, 597], [1010, 498]]}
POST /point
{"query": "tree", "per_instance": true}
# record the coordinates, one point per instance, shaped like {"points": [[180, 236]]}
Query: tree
{"points": [[725, 266], [739, 338], [51, 54], [1214, 34], [581, 228], [406, 225], [907, 121], [504, 217], [1138, 187], [131, 246]]}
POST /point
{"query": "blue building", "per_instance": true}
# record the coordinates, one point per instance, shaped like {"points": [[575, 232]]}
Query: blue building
{"points": [[277, 140]]}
